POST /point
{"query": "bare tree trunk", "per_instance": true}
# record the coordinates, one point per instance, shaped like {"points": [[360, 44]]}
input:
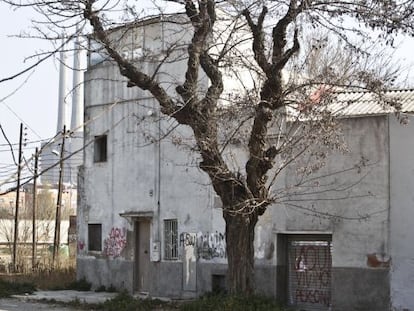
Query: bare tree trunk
{"points": [[240, 252]]}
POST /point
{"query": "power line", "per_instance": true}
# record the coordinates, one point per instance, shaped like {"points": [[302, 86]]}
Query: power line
{"points": [[27, 142], [2, 100], [20, 119], [57, 136], [10, 145]]}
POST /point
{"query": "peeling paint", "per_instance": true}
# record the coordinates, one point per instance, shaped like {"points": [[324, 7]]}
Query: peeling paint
{"points": [[373, 261]]}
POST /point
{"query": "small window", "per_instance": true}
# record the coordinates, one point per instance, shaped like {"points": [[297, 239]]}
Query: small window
{"points": [[170, 239], [95, 237], [100, 149]]}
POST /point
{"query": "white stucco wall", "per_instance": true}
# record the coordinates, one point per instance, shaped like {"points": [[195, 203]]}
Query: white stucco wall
{"points": [[143, 174], [131, 179], [134, 179], [402, 213], [352, 205], [350, 200]]}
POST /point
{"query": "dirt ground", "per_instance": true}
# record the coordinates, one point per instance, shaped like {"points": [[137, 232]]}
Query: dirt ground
{"points": [[13, 304]]}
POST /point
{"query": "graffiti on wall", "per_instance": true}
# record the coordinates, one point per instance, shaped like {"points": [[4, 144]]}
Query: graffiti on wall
{"points": [[115, 242], [81, 245], [207, 245], [312, 268]]}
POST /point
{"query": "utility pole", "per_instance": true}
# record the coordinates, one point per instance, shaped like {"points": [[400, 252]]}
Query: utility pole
{"points": [[56, 241], [36, 157], [16, 213]]}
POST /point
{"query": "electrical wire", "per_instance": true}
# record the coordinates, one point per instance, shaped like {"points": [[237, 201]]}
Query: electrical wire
{"points": [[12, 179], [10, 145]]}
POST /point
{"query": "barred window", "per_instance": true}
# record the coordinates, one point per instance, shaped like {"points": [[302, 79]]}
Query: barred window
{"points": [[170, 239]]}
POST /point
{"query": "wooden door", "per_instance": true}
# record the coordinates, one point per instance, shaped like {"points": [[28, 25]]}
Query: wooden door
{"points": [[142, 256]]}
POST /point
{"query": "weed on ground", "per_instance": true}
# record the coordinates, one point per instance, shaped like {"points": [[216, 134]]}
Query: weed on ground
{"points": [[44, 279], [125, 302], [231, 303], [8, 288], [81, 285], [52, 280]]}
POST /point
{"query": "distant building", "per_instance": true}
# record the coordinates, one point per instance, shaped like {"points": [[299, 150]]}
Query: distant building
{"points": [[8, 204], [44, 224]]}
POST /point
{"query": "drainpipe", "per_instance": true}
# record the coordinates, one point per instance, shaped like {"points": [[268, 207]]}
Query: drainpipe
{"points": [[387, 247], [159, 153], [159, 182]]}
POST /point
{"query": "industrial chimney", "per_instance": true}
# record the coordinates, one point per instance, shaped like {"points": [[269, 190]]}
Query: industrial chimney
{"points": [[77, 92], [62, 106]]}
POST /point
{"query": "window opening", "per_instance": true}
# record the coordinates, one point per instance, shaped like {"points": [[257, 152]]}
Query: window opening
{"points": [[100, 149], [170, 239], [95, 237]]}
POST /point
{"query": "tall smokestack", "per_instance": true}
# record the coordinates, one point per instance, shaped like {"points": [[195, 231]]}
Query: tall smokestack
{"points": [[62, 90], [77, 92]]}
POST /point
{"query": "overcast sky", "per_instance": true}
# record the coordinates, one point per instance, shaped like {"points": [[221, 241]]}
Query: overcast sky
{"points": [[35, 103]]}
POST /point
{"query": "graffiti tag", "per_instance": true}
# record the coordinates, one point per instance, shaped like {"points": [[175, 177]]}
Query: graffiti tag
{"points": [[312, 267], [81, 245], [207, 245], [115, 242]]}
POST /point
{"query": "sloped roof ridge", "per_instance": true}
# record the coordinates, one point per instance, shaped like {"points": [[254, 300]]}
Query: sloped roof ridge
{"points": [[391, 90], [364, 102], [147, 20]]}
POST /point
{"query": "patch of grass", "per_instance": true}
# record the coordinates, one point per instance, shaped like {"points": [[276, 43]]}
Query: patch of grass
{"points": [[110, 289], [8, 288], [44, 279], [223, 302], [80, 285], [101, 288], [125, 302], [211, 302], [217, 302]]}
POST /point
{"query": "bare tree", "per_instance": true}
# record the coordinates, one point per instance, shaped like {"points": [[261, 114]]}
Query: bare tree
{"points": [[281, 114]]}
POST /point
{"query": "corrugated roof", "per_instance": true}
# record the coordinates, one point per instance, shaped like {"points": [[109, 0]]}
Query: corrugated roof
{"points": [[367, 103]]}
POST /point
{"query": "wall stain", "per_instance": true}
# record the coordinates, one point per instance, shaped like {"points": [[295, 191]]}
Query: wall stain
{"points": [[374, 262]]}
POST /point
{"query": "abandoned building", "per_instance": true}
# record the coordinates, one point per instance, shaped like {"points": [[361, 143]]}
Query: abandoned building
{"points": [[149, 222]]}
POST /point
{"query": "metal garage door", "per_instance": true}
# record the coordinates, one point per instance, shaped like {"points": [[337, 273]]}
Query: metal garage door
{"points": [[309, 272]]}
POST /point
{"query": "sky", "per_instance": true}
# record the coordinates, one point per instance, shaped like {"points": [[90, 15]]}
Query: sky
{"points": [[32, 98], [35, 101]]}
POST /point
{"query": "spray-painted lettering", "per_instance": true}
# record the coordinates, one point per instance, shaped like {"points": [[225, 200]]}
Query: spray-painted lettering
{"points": [[313, 296], [207, 245], [312, 268], [115, 242], [188, 239]]}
